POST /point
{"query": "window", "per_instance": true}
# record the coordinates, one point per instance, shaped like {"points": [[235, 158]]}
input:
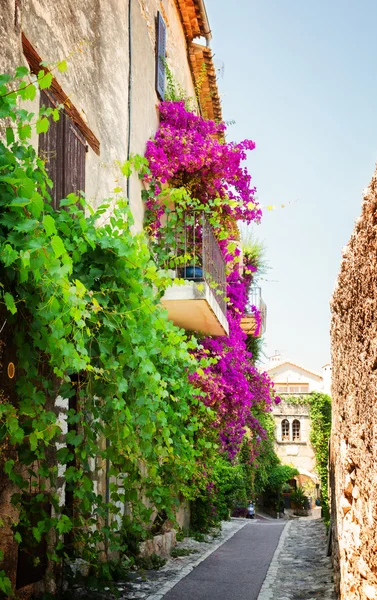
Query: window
{"points": [[296, 430], [285, 430], [63, 148], [64, 145]]}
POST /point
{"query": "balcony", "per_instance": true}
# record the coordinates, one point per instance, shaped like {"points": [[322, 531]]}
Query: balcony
{"points": [[193, 252], [249, 322]]}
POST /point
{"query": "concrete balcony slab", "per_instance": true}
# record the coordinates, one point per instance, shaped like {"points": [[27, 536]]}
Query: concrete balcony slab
{"points": [[194, 306]]}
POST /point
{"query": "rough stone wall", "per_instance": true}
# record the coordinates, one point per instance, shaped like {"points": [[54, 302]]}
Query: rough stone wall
{"points": [[353, 456]]}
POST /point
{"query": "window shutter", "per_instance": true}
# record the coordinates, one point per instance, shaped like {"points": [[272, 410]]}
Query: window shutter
{"points": [[74, 159], [63, 148], [50, 149], [160, 56]]}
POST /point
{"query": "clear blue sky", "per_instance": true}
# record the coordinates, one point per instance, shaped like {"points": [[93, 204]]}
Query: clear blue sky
{"points": [[300, 79]]}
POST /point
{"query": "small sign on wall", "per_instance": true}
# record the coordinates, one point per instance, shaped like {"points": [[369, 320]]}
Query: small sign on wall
{"points": [[11, 370]]}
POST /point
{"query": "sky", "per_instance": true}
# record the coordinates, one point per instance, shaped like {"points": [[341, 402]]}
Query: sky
{"points": [[300, 79]]}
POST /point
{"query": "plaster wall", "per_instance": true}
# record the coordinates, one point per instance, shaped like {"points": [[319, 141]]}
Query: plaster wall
{"points": [[353, 456], [94, 37]]}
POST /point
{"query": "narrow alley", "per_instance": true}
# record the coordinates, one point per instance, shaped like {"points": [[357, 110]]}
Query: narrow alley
{"points": [[264, 559], [188, 404]]}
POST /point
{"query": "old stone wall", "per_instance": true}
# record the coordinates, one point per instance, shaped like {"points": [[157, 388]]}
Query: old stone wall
{"points": [[299, 453], [353, 455]]}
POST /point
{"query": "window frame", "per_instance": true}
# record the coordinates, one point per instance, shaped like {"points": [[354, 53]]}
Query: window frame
{"points": [[296, 430], [284, 430]]}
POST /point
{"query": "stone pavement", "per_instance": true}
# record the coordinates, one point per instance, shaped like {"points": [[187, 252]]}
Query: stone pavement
{"points": [[300, 569]]}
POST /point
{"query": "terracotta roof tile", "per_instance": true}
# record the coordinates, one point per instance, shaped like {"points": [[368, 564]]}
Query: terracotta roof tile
{"points": [[192, 19], [204, 72]]}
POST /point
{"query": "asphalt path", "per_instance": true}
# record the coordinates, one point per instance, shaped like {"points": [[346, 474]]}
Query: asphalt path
{"points": [[236, 570]]}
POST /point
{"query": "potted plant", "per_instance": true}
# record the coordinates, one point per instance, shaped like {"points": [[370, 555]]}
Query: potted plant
{"points": [[298, 498]]}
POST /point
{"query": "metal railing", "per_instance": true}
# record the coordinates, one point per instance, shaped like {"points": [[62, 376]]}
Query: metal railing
{"points": [[198, 256], [254, 298]]}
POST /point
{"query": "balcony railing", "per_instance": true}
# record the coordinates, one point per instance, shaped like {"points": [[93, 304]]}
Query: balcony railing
{"points": [[196, 254], [254, 298]]}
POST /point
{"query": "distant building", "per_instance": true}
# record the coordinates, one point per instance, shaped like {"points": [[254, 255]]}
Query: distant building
{"points": [[292, 421]]}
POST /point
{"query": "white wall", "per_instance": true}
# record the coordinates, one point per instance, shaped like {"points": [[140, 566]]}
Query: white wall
{"points": [[288, 373]]}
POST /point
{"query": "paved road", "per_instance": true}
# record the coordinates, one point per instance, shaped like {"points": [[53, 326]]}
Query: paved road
{"points": [[236, 570]]}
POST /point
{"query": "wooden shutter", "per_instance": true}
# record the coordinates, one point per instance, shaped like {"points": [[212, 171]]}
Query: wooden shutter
{"points": [[160, 56], [51, 151], [74, 159], [63, 148]]}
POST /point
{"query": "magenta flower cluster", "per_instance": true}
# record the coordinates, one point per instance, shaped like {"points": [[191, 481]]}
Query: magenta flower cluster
{"points": [[233, 386], [189, 151]]}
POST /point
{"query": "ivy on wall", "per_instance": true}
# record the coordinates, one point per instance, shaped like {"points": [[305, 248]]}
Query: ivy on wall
{"points": [[82, 301]]}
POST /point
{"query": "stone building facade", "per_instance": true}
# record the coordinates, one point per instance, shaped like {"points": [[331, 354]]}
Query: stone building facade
{"points": [[292, 438], [353, 460], [292, 419], [111, 94]]}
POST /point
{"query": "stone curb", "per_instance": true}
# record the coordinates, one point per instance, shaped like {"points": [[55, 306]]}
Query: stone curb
{"points": [[266, 592], [186, 570]]}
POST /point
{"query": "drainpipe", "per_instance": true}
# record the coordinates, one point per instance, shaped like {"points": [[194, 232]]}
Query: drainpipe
{"points": [[203, 14], [129, 104]]}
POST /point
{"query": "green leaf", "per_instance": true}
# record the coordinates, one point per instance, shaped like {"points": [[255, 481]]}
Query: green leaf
{"points": [[42, 125], [21, 202], [17, 436], [8, 466], [74, 439], [37, 534], [33, 440], [9, 255], [44, 79], [27, 91], [10, 303], [5, 78], [55, 114], [49, 225], [62, 66], [64, 525], [37, 205], [9, 135], [58, 246], [17, 537], [21, 72], [5, 583], [24, 131]]}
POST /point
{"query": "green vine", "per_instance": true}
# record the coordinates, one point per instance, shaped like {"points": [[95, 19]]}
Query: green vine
{"points": [[82, 303]]}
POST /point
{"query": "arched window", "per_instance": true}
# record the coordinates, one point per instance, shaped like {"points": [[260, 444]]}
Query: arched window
{"points": [[285, 429], [296, 430]]}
